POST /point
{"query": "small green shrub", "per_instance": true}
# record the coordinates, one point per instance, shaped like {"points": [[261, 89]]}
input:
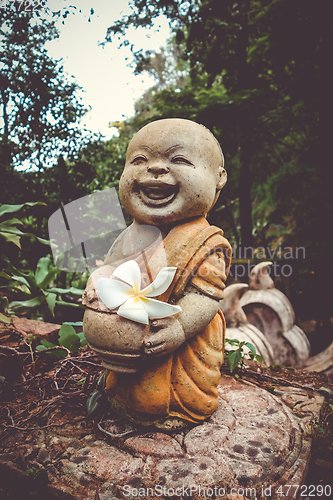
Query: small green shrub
{"points": [[28, 292], [32, 292], [236, 356], [8, 228], [68, 339]]}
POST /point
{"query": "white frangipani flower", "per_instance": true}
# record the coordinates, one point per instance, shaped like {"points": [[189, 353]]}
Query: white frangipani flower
{"points": [[134, 303]]}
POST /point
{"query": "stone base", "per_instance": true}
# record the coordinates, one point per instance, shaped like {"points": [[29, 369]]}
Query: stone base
{"points": [[252, 447]]}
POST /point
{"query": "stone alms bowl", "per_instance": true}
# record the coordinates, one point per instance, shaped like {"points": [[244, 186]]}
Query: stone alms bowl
{"points": [[117, 341]]}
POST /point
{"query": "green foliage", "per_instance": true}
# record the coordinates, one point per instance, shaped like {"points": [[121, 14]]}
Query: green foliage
{"points": [[31, 291], [18, 281], [253, 75], [326, 391], [4, 319], [236, 356], [8, 227], [37, 474], [68, 339], [39, 104], [248, 70], [38, 481], [96, 400]]}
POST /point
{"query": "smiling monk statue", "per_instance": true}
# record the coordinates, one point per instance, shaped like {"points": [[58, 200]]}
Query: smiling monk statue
{"points": [[166, 373]]}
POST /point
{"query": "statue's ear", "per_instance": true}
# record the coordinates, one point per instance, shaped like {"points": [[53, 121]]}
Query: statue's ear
{"points": [[222, 178]]}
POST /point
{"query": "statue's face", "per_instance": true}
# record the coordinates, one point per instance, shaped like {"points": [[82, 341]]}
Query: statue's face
{"points": [[173, 171]]}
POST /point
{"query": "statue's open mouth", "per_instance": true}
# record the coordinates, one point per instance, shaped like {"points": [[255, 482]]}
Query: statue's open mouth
{"points": [[158, 194]]}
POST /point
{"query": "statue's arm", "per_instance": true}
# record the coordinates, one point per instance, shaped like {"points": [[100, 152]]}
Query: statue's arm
{"points": [[198, 310], [200, 303], [167, 334]]}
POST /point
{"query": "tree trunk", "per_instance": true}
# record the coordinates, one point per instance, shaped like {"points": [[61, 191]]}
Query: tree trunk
{"points": [[245, 206], [244, 80], [4, 114]]}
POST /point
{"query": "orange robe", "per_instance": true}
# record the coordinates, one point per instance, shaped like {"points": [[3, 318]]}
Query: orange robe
{"points": [[184, 382]]}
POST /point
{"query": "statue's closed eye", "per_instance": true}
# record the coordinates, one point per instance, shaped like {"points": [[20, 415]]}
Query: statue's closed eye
{"points": [[139, 159], [181, 159]]}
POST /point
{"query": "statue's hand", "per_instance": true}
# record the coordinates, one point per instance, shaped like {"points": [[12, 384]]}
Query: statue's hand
{"points": [[166, 335]]}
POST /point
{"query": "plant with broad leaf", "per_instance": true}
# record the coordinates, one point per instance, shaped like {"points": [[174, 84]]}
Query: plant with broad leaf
{"points": [[9, 230], [97, 399], [32, 292], [29, 292], [69, 342], [11, 234], [245, 350]]}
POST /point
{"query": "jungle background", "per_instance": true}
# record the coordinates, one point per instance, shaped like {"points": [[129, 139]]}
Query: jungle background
{"points": [[256, 73]]}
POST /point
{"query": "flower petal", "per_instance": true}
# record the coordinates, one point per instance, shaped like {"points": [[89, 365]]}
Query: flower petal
{"points": [[113, 292], [130, 273], [134, 309], [157, 309], [161, 283]]}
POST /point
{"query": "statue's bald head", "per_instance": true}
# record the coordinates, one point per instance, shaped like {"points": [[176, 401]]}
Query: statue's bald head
{"points": [[199, 138], [200, 135], [174, 170]]}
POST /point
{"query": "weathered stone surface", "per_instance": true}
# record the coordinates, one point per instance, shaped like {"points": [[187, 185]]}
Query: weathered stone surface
{"points": [[157, 444], [252, 442], [322, 362], [305, 404], [46, 331], [270, 311], [24, 326]]}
